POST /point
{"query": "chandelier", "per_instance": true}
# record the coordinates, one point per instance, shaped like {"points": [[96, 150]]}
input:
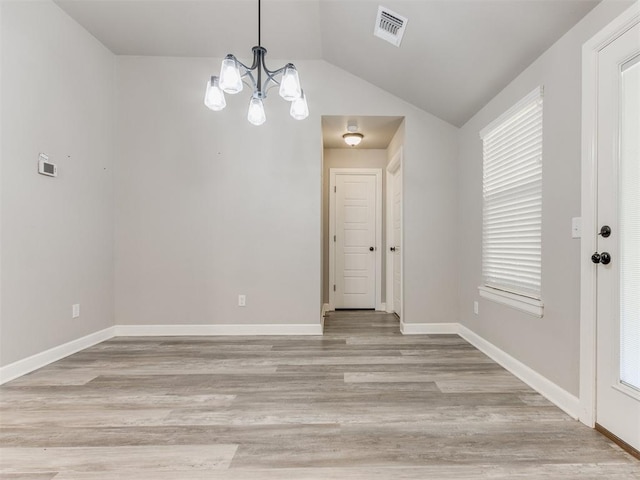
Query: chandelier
{"points": [[233, 74]]}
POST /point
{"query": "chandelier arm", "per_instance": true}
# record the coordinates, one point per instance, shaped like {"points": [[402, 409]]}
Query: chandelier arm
{"points": [[253, 80], [268, 84], [268, 87], [271, 77], [273, 73], [246, 68]]}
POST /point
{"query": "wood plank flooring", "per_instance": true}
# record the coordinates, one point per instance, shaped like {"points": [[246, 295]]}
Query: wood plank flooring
{"points": [[361, 402]]}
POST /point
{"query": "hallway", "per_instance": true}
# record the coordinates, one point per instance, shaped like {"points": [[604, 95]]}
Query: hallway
{"points": [[361, 402]]}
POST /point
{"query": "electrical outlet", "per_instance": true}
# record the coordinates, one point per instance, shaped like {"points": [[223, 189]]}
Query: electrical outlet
{"points": [[75, 310], [475, 307], [242, 300]]}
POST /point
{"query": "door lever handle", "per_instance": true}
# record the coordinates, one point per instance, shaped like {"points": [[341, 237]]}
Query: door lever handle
{"points": [[393, 249]]}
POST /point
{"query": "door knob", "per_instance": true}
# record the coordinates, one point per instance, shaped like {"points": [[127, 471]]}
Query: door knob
{"points": [[603, 258], [605, 231], [393, 249], [371, 249]]}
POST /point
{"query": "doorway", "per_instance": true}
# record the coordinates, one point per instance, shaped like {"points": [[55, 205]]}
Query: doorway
{"points": [[610, 343], [381, 137]]}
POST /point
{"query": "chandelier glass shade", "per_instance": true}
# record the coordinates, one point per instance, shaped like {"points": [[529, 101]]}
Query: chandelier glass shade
{"points": [[235, 74]]}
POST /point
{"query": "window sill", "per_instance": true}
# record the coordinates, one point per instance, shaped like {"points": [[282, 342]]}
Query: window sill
{"points": [[519, 302]]}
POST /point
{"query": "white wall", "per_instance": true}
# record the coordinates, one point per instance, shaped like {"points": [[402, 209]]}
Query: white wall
{"points": [[549, 345], [57, 233], [350, 158], [209, 206]]}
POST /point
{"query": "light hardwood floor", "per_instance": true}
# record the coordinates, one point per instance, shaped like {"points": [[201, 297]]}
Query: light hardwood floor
{"points": [[362, 402]]}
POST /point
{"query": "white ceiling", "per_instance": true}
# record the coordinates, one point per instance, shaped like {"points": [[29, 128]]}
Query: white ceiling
{"points": [[455, 56], [378, 131]]}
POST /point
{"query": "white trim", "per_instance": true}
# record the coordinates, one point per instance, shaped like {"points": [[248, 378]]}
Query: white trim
{"points": [[588, 289], [428, 328], [396, 161], [564, 400], [560, 397], [394, 165], [538, 92], [519, 302], [383, 307], [42, 359], [332, 230], [217, 330], [323, 312]]}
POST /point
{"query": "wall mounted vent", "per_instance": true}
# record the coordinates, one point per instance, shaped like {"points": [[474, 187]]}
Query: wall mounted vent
{"points": [[390, 26]]}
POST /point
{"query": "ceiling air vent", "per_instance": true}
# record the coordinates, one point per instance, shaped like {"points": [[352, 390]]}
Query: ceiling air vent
{"points": [[390, 26]]}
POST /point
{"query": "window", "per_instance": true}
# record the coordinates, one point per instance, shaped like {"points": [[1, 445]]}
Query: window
{"points": [[512, 206]]}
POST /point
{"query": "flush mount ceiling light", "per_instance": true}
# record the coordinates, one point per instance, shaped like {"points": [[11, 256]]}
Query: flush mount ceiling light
{"points": [[352, 138], [234, 73]]}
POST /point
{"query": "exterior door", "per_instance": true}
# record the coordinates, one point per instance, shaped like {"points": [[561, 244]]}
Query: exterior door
{"points": [[355, 240], [618, 252]]}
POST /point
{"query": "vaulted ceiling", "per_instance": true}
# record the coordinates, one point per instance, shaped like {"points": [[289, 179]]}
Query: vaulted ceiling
{"points": [[455, 56]]}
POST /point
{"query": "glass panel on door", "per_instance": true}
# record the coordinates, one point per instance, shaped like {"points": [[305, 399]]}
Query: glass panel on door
{"points": [[629, 224]]}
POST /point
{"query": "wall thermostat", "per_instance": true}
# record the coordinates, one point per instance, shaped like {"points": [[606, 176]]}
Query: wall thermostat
{"points": [[45, 167]]}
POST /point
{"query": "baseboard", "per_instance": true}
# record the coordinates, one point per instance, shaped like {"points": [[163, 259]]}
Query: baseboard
{"points": [[39, 360], [325, 309], [564, 400], [197, 330], [428, 328], [561, 398], [557, 395]]}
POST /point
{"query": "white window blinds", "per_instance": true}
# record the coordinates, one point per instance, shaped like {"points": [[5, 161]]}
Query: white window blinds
{"points": [[512, 199]]}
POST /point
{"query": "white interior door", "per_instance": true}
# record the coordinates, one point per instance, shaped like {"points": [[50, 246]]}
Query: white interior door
{"points": [[396, 240], [355, 241], [618, 269]]}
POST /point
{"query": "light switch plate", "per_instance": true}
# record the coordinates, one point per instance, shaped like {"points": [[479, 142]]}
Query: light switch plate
{"points": [[576, 227]]}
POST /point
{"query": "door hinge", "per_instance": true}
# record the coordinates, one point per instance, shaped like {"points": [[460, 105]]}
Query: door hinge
{"points": [[334, 288], [334, 238], [334, 189]]}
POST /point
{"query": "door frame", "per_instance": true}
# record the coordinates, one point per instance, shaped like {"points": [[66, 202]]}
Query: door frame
{"points": [[588, 287], [394, 165], [332, 229]]}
